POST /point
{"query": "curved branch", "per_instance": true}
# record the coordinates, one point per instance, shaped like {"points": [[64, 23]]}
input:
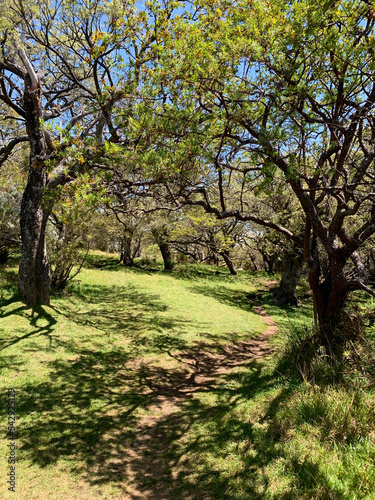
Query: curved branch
{"points": [[244, 218], [5, 151], [30, 70], [359, 285]]}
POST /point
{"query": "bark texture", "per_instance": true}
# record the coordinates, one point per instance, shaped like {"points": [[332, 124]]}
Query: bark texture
{"points": [[329, 294], [34, 273]]}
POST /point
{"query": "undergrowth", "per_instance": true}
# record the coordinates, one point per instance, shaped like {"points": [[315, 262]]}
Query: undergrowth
{"points": [[328, 417]]}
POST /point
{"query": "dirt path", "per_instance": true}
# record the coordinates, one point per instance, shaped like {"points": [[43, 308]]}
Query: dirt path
{"points": [[147, 456]]}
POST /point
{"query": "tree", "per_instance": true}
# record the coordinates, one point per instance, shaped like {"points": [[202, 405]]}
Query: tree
{"points": [[317, 129], [64, 68], [285, 91], [160, 235], [35, 96], [70, 230], [194, 228], [130, 243]]}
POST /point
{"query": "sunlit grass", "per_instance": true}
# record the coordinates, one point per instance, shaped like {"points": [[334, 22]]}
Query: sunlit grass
{"points": [[103, 404]]}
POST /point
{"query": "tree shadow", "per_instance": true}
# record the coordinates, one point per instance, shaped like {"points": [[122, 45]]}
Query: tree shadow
{"points": [[122, 310], [234, 298], [9, 362], [38, 315], [149, 431], [152, 430], [6, 302], [248, 300], [8, 286], [185, 272], [176, 451], [199, 272], [107, 262]]}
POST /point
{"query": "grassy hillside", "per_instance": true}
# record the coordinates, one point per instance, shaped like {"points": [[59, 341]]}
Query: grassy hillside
{"points": [[144, 384]]}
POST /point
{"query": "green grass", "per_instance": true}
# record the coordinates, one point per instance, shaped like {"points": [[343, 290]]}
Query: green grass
{"points": [[109, 402]]}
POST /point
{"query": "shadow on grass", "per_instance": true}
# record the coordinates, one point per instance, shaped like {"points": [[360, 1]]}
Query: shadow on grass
{"points": [[38, 315], [13, 297], [190, 272], [199, 272], [248, 300], [107, 262], [8, 286], [122, 313], [137, 315], [120, 422], [112, 263], [235, 298], [121, 310], [161, 432], [9, 362]]}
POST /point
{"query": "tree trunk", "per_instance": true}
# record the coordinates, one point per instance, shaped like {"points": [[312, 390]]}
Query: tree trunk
{"points": [[4, 254], [214, 258], [269, 262], [254, 262], [167, 256], [200, 255], [292, 270], [126, 256], [229, 263], [329, 299], [34, 273]]}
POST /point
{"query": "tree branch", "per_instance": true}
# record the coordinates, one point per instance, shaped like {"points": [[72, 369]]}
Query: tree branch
{"points": [[5, 151]]}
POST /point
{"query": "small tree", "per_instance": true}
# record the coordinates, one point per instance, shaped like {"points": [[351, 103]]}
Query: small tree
{"points": [[68, 250], [193, 228], [71, 229]]}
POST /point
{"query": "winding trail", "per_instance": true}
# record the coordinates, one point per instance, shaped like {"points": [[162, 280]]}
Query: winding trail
{"points": [[146, 454]]}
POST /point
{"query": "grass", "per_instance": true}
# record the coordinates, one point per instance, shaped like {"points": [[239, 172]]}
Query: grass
{"points": [[115, 399]]}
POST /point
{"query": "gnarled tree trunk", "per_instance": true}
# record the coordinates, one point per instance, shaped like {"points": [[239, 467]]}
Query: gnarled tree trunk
{"points": [[330, 295], [269, 262], [34, 273], [130, 244]]}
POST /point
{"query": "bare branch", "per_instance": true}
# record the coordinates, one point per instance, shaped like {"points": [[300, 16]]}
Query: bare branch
{"points": [[5, 151]]}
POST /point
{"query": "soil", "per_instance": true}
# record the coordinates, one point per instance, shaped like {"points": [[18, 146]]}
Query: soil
{"points": [[147, 466]]}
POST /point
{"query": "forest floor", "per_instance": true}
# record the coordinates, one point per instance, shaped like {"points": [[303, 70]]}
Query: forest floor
{"points": [[141, 384]]}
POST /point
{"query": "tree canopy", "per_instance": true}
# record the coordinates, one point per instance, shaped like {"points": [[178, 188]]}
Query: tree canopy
{"points": [[211, 104]]}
